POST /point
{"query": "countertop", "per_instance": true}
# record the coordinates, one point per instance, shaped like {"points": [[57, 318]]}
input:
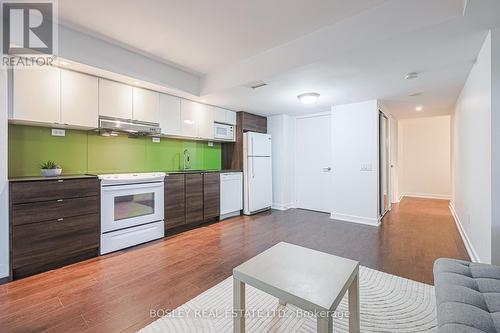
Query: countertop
{"points": [[62, 177], [40, 178]]}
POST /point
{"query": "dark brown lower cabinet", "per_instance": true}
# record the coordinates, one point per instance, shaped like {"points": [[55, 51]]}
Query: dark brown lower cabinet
{"points": [[53, 223], [211, 195], [45, 245], [194, 198], [175, 201]]}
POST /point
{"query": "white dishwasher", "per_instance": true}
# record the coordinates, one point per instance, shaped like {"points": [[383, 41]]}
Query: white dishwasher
{"points": [[231, 194]]}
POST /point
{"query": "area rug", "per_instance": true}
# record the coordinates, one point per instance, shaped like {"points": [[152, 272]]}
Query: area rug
{"points": [[388, 304]]}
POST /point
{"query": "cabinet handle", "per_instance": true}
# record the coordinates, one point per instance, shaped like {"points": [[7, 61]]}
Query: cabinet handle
{"points": [[60, 200], [60, 220], [60, 180]]}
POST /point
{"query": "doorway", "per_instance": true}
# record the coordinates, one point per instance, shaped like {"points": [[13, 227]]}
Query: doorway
{"points": [[384, 165], [313, 168]]}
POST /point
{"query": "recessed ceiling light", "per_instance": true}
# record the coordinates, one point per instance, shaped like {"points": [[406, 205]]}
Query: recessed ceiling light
{"points": [[411, 75], [308, 98], [419, 108], [64, 63], [203, 100]]}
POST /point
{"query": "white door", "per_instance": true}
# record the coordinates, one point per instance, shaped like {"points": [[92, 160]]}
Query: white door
{"points": [[115, 99], [170, 115], [313, 163], [146, 105], [79, 99], [260, 191], [37, 95], [259, 144]]}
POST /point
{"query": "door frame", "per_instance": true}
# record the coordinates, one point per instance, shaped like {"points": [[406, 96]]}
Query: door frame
{"points": [[388, 163]]}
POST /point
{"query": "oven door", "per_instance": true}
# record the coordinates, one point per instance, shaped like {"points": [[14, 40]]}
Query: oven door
{"points": [[124, 206]]}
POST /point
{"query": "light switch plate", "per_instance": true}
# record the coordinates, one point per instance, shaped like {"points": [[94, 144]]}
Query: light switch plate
{"points": [[156, 140], [58, 132]]}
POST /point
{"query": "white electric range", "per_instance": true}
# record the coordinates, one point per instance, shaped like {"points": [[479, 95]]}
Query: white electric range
{"points": [[132, 209]]}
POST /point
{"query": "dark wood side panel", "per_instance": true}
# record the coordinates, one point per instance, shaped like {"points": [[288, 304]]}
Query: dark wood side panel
{"points": [[175, 201], [232, 153], [254, 123], [194, 198], [48, 190], [46, 244], [211, 195], [53, 210]]}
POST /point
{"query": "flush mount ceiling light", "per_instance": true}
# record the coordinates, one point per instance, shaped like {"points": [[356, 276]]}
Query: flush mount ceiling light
{"points": [[308, 98], [419, 108], [411, 75]]}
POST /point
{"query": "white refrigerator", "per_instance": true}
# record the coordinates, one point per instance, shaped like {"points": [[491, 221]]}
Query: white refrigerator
{"points": [[257, 173]]}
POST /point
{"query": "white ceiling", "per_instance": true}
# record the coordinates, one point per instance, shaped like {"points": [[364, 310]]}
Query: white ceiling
{"points": [[347, 51]]}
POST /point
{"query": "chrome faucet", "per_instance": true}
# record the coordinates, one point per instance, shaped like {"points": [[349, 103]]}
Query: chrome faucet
{"points": [[187, 162]]}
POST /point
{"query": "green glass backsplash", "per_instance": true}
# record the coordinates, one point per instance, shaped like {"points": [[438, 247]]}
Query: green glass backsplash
{"points": [[82, 152]]}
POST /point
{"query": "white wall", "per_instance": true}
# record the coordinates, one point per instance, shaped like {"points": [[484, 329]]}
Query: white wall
{"points": [[394, 169], [82, 48], [495, 148], [4, 185], [355, 142], [282, 129], [425, 157], [472, 158]]}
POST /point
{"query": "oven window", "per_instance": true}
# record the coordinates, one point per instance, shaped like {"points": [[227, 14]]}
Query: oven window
{"points": [[129, 206]]}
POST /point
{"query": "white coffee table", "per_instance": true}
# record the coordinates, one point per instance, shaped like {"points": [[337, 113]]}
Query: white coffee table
{"points": [[312, 280]]}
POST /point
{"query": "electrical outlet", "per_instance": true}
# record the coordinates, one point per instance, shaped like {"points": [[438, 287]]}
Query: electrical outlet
{"points": [[58, 132], [156, 140], [210, 144]]}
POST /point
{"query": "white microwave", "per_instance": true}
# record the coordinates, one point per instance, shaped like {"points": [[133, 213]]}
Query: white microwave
{"points": [[223, 132]]}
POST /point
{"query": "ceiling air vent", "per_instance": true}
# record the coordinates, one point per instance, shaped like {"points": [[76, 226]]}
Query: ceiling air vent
{"points": [[256, 84]]}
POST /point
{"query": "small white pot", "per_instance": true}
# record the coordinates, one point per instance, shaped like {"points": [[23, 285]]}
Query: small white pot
{"points": [[51, 172]]}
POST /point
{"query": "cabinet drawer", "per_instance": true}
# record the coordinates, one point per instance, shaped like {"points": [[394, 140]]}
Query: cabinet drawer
{"points": [[41, 244], [53, 210], [48, 190]]}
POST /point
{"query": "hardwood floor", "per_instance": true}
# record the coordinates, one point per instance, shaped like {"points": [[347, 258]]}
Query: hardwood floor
{"points": [[115, 293]]}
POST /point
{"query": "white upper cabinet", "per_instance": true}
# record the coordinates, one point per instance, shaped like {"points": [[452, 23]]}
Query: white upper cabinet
{"points": [[79, 99], [224, 116], [36, 95], [170, 115], [219, 115], [146, 105], [115, 99], [197, 120], [206, 122], [189, 126], [231, 117]]}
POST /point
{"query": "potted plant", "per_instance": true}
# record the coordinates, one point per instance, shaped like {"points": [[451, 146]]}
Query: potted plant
{"points": [[50, 169]]}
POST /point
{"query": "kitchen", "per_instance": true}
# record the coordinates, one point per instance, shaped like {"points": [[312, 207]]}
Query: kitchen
{"points": [[137, 164]]}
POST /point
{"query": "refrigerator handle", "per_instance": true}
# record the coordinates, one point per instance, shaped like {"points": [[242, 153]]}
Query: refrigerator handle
{"points": [[253, 169]]}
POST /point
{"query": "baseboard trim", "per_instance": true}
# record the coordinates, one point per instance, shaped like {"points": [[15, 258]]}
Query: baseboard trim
{"points": [[468, 245], [229, 215], [425, 196], [282, 206], [355, 219]]}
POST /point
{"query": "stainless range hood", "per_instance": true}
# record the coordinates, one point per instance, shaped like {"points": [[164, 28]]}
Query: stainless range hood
{"points": [[130, 127]]}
